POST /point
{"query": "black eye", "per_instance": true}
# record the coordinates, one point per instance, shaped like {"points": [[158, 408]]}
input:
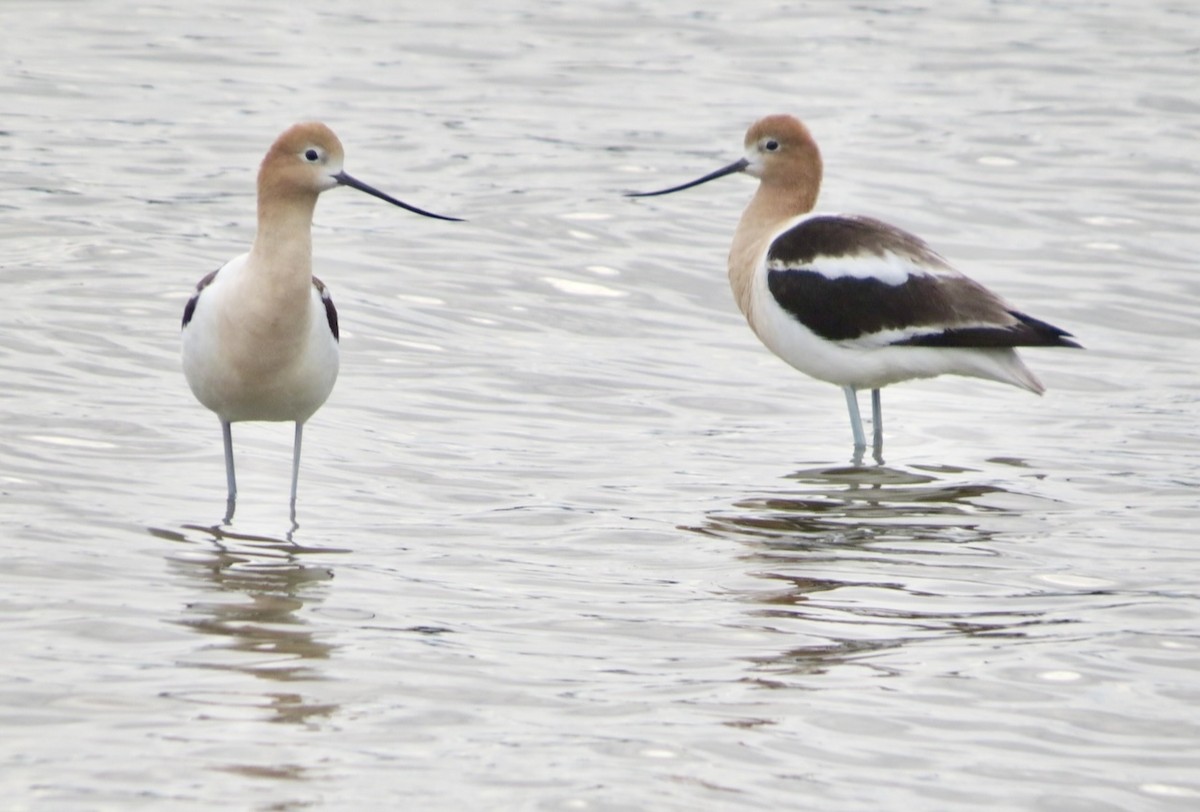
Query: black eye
{"points": [[770, 145], [312, 155]]}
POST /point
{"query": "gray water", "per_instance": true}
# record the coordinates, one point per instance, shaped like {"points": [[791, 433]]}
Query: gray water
{"points": [[568, 537]]}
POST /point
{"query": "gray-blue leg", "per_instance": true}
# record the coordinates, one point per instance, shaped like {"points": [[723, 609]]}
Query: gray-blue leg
{"points": [[877, 418], [860, 439], [230, 478], [296, 463]]}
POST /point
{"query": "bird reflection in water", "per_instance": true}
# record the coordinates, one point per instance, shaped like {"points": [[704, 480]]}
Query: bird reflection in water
{"points": [[868, 560], [257, 587]]}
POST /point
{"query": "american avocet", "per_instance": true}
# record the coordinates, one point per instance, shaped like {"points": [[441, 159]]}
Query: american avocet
{"points": [[854, 301], [260, 334]]}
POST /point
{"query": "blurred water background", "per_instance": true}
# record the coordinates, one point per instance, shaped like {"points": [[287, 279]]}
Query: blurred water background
{"points": [[568, 537]]}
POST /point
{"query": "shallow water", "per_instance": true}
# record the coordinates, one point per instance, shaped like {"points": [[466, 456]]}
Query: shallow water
{"points": [[568, 537]]}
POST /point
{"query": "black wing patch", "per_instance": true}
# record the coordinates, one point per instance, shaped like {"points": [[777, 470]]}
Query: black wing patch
{"points": [[941, 312], [1027, 332], [837, 235], [330, 310], [190, 307], [941, 308], [847, 307]]}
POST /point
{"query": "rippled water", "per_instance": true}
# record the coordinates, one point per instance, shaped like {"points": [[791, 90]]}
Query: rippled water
{"points": [[569, 538]]}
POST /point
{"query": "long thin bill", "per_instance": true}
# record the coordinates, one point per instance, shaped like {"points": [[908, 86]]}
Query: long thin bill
{"points": [[355, 183], [736, 166]]}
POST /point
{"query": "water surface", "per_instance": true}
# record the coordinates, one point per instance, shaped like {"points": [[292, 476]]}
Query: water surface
{"points": [[568, 536]]}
